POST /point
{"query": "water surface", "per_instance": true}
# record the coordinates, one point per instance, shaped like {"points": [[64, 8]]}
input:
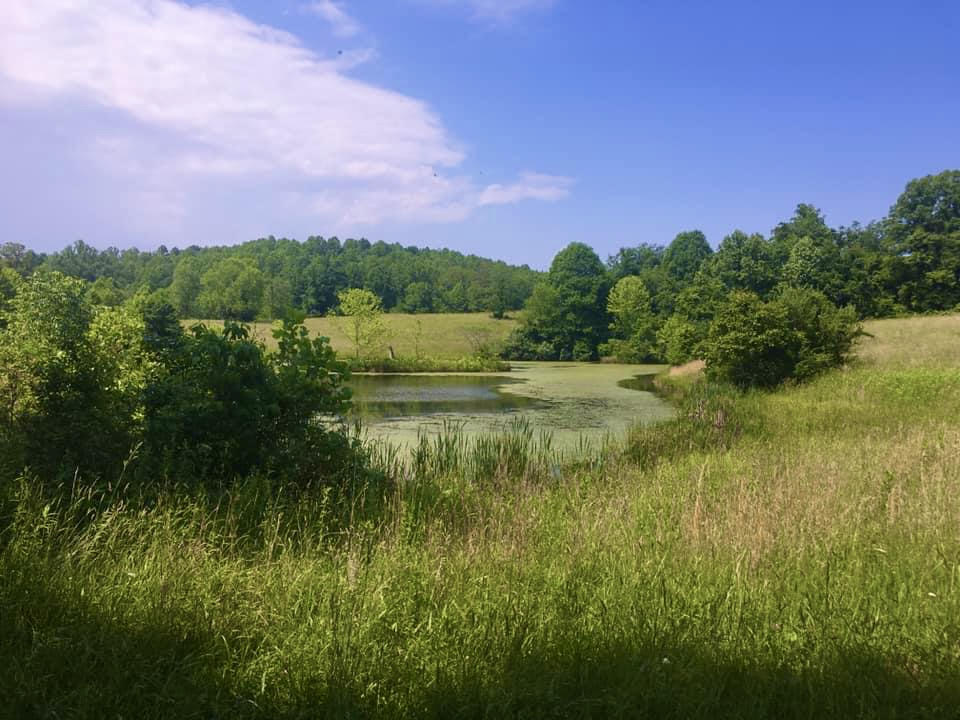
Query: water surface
{"points": [[382, 397], [571, 401]]}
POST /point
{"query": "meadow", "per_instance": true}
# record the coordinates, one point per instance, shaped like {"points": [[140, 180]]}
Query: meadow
{"points": [[446, 336], [785, 554]]}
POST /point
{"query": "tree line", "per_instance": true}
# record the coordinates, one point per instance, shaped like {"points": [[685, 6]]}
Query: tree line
{"points": [[787, 303], [646, 303], [265, 278]]}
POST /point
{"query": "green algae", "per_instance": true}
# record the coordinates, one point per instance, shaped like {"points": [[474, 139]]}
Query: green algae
{"points": [[573, 402]]}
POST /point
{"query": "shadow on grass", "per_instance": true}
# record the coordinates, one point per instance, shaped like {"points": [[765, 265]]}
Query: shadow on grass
{"points": [[63, 657]]}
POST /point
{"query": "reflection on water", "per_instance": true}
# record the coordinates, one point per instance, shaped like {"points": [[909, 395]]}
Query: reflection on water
{"points": [[377, 397]]}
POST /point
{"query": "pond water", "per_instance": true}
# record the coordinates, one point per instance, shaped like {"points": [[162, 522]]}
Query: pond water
{"points": [[571, 401]]}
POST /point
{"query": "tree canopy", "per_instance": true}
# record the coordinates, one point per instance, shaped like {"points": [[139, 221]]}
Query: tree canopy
{"points": [[267, 277]]}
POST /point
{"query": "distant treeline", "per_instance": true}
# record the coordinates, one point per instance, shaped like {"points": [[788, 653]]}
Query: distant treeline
{"points": [[907, 262], [266, 277], [660, 303]]}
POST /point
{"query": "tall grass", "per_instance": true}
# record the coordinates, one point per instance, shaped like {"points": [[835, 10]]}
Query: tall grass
{"points": [[797, 557]]}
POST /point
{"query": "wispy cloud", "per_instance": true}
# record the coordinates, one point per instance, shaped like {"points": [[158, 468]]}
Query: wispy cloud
{"points": [[199, 96], [531, 186], [342, 24], [497, 11]]}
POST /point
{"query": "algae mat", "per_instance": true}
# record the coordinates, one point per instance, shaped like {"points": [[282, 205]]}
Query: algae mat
{"points": [[576, 403]]}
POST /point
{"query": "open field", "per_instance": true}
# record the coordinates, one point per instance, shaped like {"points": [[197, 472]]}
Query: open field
{"points": [[440, 335], [791, 555], [931, 342]]}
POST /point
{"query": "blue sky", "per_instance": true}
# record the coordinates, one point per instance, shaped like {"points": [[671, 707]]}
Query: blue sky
{"points": [[506, 128]]}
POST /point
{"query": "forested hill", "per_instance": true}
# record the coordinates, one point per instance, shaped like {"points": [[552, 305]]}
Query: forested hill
{"points": [[906, 262], [264, 277]]}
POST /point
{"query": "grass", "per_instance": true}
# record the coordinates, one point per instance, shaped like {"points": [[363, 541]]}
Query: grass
{"points": [[442, 336], [792, 554], [412, 364]]}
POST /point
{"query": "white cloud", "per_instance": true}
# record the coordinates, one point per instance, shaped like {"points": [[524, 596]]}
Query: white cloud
{"points": [[342, 24], [498, 11], [201, 95], [532, 186]]}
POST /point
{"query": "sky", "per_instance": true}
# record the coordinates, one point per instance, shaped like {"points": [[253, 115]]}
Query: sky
{"points": [[504, 128]]}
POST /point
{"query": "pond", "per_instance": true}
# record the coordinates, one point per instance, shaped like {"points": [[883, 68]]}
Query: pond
{"points": [[571, 401]]}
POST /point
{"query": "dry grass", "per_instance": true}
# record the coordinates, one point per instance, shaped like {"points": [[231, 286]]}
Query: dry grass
{"points": [[694, 367], [930, 342]]}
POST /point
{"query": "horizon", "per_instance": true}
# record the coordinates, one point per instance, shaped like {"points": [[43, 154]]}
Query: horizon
{"points": [[504, 129]]}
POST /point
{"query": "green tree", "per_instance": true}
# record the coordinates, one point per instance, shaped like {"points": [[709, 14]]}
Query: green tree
{"points": [[277, 297], [807, 222], [745, 262], [79, 260], [18, 258], [815, 264], [580, 281], [418, 298], [103, 291], [678, 340], [635, 260], [683, 257], [9, 282], [364, 319], [634, 324], [924, 230], [186, 287], [232, 289], [565, 315]]}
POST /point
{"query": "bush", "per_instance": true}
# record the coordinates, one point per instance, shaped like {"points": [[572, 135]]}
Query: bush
{"points": [[222, 407], [69, 377], [796, 335], [524, 344], [84, 389], [678, 340]]}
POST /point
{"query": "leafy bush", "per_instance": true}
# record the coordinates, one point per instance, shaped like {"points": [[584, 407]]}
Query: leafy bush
{"points": [[524, 343], [86, 389], [222, 407], [678, 340], [796, 335], [70, 375]]}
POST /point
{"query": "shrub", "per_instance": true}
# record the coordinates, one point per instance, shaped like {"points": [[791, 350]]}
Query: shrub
{"points": [[84, 389], [525, 344], [796, 335], [222, 407], [70, 377], [678, 340]]}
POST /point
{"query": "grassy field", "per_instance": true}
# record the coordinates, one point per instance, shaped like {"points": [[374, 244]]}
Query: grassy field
{"points": [[793, 554], [440, 335]]}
